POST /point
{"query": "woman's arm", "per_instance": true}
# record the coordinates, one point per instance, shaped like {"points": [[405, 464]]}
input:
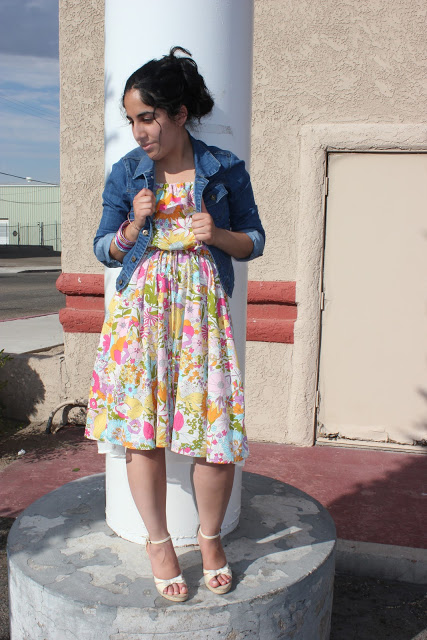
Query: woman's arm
{"points": [[116, 206], [245, 241], [244, 217]]}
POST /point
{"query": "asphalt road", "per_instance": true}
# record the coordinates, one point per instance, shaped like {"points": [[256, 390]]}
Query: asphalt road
{"points": [[29, 294]]}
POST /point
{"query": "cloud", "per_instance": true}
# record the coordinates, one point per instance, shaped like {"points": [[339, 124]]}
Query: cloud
{"points": [[29, 27], [26, 130], [43, 102], [29, 71]]}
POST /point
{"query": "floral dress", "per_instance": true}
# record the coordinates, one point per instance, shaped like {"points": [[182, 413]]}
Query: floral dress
{"points": [[166, 372]]}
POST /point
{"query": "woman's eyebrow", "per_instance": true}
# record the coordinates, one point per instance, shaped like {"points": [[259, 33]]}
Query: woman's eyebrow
{"points": [[145, 113]]}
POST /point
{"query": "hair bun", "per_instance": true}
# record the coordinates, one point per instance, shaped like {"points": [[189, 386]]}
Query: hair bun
{"points": [[170, 82]]}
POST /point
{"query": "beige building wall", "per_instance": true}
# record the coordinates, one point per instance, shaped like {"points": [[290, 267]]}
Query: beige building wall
{"points": [[352, 61], [334, 62], [81, 54]]}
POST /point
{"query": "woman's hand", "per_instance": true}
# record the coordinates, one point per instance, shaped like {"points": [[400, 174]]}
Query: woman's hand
{"points": [[144, 205], [204, 228]]}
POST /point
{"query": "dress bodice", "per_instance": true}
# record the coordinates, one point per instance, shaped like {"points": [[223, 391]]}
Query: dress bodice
{"points": [[172, 221]]}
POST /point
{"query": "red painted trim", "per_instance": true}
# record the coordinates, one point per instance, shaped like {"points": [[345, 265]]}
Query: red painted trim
{"points": [[81, 284], [275, 311], [271, 311], [81, 321], [270, 330], [84, 311], [266, 292], [85, 302]]}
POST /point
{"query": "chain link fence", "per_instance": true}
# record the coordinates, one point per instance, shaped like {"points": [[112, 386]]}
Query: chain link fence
{"points": [[40, 234]]}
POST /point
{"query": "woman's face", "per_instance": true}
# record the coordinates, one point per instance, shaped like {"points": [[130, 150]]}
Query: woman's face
{"points": [[158, 135]]}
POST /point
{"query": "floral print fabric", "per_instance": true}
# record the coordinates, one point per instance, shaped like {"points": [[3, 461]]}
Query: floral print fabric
{"points": [[166, 372]]}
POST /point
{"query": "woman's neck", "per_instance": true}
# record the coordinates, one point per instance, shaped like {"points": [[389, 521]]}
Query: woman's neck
{"points": [[178, 166]]}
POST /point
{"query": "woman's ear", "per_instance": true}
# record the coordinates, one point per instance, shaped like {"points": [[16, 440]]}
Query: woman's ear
{"points": [[181, 116]]}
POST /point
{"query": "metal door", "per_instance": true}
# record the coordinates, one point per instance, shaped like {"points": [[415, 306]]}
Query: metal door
{"points": [[373, 358], [4, 231]]}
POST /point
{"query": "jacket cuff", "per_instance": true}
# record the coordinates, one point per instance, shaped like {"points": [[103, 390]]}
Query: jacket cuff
{"points": [[102, 251], [258, 240]]}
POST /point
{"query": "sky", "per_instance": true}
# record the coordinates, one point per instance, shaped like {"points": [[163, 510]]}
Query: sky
{"points": [[29, 90]]}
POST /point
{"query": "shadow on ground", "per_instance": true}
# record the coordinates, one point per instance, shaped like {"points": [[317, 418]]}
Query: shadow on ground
{"points": [[33, 440], [369, 609]]}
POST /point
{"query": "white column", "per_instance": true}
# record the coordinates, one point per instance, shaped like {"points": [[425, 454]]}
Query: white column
{"points": [[219, 35]]}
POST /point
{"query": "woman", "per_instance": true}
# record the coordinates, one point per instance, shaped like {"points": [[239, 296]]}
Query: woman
{"points": [[166, 372]]}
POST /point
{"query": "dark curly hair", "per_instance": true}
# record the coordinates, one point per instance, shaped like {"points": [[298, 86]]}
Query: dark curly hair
{"points": [[169, 83]]}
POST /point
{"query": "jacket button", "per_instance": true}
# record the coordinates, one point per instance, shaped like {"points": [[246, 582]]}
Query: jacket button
{"points": [[133, 258], [213, 197], [120, 281], [145, 232]]}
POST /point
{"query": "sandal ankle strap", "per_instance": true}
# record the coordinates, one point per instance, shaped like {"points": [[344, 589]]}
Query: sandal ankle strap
{"points": [[158, 541], [209, 537]]}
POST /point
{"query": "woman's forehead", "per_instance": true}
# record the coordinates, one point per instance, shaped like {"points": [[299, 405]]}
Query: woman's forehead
{"points": [[132, 102]]}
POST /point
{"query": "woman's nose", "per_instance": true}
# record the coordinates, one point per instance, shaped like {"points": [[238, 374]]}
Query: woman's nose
{"points": [[139, 131]]}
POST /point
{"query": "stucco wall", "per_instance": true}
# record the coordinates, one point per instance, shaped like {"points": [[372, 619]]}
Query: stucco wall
{"points": [[81, 49], [349, 61], [331, 61]]}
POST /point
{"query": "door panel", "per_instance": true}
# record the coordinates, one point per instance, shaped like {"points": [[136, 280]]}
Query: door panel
{"points": [[4, 231], [373, 359]]}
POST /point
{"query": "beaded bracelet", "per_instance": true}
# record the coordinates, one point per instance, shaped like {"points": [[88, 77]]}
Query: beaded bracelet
{"points": [[122, 243]]}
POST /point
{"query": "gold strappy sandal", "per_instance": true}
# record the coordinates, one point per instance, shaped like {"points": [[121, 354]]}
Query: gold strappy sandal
{"points": [[162, 584], [208, 574]]}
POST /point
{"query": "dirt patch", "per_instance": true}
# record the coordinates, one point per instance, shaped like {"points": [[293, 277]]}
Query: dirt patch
{"points": [[32, 438]]}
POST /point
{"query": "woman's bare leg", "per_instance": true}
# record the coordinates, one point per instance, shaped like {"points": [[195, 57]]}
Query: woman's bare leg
{"points": [[147, 481], [213, 484]]}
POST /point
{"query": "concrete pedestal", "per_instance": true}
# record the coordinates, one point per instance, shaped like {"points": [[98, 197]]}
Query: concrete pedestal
{"points": [[72, 577]]}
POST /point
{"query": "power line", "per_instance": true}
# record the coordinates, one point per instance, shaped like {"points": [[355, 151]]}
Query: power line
{"points": [[42, 110], [11, 175], [25, 109], [31, 203]]}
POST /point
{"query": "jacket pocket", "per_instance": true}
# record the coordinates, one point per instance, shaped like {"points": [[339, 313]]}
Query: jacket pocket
{"points": [[216, 201]]}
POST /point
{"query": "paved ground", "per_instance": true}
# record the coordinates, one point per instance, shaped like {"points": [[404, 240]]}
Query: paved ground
{"points": [[29, 294], [29, 303], [24, 335]]}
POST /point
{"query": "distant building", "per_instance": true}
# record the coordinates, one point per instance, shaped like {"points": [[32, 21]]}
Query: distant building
{"points": [[30, 215]]}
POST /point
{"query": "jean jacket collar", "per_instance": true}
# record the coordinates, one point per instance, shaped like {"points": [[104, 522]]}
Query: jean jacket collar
{"points": [[205, 163]]}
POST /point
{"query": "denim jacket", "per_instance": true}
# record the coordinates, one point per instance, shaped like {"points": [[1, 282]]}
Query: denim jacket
{"points": [[222, 181]]}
